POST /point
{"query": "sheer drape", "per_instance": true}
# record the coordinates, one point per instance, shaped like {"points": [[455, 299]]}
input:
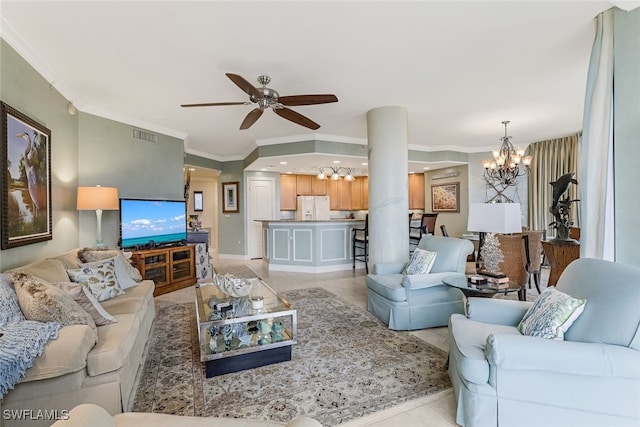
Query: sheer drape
{"points": [[597, 236], [551, 160]]}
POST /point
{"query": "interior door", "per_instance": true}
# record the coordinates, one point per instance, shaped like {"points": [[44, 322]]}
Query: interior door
{"points": [[260, 206]]}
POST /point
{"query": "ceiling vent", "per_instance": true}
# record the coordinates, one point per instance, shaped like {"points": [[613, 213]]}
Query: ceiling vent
{"points": [[145, 136]]}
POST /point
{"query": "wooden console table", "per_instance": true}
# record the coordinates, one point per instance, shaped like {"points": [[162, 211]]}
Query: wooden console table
{"points": [[559, 255]]}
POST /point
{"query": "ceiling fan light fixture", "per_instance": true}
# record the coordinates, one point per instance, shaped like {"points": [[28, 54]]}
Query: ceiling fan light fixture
{"points": [[266, 97]]}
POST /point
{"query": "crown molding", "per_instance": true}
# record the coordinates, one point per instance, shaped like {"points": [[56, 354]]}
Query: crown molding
{"points": [[311, 137], [13, 37], [125, 119]]}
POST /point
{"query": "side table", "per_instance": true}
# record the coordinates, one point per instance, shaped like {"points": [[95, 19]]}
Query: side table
{"points": [[460, 282], [559, 254]]}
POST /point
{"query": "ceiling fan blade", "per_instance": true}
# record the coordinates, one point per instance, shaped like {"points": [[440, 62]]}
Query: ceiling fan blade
{"points": [[245, 85], [251, 118], [307, 99], [296, 118], [213, 104]]}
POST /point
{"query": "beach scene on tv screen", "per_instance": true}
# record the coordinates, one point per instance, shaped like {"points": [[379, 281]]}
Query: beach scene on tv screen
{"points": [[146, 220]]}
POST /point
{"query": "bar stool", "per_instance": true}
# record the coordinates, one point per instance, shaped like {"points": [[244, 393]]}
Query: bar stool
{"points": [[360, 240]]}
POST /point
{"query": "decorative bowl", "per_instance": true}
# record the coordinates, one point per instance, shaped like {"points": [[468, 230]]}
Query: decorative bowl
{"points": [[232, 286]]}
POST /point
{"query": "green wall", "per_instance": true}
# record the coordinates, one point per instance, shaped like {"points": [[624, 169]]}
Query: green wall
{"points": [[231, 233], [627, 135], [86, 150], [111, 157], [25, 90]]}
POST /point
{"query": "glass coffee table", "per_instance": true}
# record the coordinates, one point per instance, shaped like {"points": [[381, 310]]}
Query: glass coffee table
{"points": [[238, 333], [470, 290]]}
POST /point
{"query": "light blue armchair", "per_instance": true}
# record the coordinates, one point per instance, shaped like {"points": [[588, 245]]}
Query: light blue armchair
{"points": [[408, 302], [592, 378]]}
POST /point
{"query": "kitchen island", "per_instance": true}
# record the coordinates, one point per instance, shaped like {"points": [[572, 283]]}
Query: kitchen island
{"points": [[309, 246]]}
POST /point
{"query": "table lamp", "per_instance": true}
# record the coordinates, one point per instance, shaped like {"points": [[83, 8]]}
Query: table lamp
{"points": [[493, 218], [99, 199]]}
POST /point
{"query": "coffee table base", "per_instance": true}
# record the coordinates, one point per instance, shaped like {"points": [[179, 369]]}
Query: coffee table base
{"points": [[246, 361]]}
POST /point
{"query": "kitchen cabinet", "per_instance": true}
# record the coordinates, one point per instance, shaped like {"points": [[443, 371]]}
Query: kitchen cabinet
{"points": [[288, 192], [365, 191], [416, 191], [359, 199], [309, 185], [309, 246], [339, 193]]}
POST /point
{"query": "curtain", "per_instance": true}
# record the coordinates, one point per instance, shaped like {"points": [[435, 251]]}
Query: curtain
{"points": [[551, 159], [596, 149]]}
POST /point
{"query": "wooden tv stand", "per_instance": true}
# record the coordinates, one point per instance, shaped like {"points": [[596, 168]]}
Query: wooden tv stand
{"points": [[170, 268]]}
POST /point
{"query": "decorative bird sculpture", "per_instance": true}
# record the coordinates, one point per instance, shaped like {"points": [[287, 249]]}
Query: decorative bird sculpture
{"points": [[31, 162]]}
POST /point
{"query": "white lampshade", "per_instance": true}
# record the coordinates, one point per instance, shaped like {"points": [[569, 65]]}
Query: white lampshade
{"points": [[495, 218]]}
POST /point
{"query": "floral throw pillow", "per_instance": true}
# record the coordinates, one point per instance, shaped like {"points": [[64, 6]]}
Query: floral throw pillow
{"points": [[551, 314], [100, 279], [420, 263], [124, 280], [91, 255]]}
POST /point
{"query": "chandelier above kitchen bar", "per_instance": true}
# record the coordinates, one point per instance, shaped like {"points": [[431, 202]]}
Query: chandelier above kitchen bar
{"points": [[335, 173]]}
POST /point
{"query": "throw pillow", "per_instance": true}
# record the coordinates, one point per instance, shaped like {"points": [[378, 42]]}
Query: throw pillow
{"points": [[9, 308], [551, 314], [124, 280], [45, 303], [85, 299], [100, 279], [92, 255], [420, 263]]}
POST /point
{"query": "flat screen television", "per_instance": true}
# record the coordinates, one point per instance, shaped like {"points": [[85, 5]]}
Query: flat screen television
{"points": [[151, 223]]}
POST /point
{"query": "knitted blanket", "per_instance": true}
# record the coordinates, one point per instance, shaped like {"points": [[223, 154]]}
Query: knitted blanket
{"points": [[20, 344], [21, 341]]}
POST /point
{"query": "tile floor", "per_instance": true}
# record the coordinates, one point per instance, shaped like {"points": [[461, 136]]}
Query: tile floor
{"points": [[433, 411]]}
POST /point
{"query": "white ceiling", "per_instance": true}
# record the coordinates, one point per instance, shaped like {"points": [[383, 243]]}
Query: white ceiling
{"points": [[459, 68]]}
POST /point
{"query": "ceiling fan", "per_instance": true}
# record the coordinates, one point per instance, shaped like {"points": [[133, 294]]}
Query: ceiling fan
{"points": [[266, 97]]}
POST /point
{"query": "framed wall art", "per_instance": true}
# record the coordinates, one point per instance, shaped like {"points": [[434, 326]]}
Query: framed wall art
{"points": [[197, 201], [445, 197], [26, 179], [230, 198]]}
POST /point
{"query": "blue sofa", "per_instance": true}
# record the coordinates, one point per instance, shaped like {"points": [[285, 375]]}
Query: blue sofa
{"points": [[592, 378], [408, 302]]}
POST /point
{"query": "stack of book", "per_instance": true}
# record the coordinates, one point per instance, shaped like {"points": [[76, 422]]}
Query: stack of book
{"points": [[496, 280], [477, 281]]}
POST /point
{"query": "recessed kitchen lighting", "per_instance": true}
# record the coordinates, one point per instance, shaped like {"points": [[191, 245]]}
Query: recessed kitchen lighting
{"points": [[411, 172], [336, 161], [283, 163], [426, 168], [289, 173], [364, 164], [263, 169]]}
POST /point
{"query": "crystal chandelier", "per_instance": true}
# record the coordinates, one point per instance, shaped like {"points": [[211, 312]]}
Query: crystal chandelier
{"points": [[335, 173], [504, 168]]}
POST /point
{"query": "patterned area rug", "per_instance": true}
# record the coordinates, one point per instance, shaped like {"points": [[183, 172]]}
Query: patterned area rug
{"points": [[346, 364]]}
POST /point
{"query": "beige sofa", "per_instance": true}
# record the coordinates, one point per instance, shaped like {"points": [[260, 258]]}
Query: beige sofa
{"points": [[95, 416], [71, 369]]}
